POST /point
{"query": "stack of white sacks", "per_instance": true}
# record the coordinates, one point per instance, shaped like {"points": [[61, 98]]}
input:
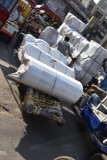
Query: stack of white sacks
{"points": [[71, 22], [90, 54], [45, 68], [89, 62], [72, 28]]}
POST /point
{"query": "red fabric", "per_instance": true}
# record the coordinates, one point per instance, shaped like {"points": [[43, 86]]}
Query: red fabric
{"points": [[3, 17], [3, 14], [32, 3], [51, 13]]}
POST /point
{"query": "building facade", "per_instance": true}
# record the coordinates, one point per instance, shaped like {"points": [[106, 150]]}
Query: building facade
{"points": [[80, 8]]}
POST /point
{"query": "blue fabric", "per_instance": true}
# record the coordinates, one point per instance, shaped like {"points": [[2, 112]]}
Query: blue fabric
{"points": [[94, 99], [91, 119], [103, 84], [8, 4]]}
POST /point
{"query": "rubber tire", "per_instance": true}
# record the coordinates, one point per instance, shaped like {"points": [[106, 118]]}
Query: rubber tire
{"points": [[64, 158], [99, 156], [18, 41]]}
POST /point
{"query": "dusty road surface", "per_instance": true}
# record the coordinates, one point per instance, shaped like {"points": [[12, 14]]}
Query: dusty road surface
{"points": [[25, 137]]}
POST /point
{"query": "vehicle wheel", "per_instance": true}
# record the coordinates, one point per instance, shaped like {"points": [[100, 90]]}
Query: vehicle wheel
{"points": [[18, 41], [99, 156], [64, 158]]}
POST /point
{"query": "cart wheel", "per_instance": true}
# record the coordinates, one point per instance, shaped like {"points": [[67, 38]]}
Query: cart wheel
{"points": [[64, 158], [18, 41], [99, 156]]}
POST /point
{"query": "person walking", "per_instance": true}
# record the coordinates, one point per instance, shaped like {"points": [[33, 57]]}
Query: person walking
{"points": [[64, 47], [50, 34]]}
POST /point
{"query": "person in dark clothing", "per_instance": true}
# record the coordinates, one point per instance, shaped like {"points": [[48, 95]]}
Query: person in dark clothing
{"points": [[64, 47]]}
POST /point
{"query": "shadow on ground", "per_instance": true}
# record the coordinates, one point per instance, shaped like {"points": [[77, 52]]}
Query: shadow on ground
{"points": [[45, 141]]}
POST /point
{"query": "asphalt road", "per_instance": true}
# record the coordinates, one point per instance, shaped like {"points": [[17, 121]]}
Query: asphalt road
{"points": [[24, 137]]}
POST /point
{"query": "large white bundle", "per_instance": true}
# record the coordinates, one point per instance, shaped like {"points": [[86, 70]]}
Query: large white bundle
{"points": [[28, 38], [80, 47], [88, 69], [89, 65], [43, 46], [83, 43], [86, 78], [75, 38], [64, 29], [46, 79], [58, 55], [81, 75], [90, 62], [73, 22], [32, 51], [60, 37], [67, 17], [73, 34], [96, 52]]}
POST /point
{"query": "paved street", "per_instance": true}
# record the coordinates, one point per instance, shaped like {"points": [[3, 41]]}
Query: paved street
{"points": [[24, 137]]}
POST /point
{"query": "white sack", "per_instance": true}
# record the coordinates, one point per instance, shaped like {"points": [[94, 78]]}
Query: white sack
{"points": [[80, 47], [28, 38], [64, 29], [67, 17], [83, 44], [89, 69], [29, 50], [96, 52], [89, 65], [81, 75], [34, 51], [60, 37], [39, 76], [73, 22], [58, 55], [75, 38], [41, 44], [90, 61], [87, 77]]}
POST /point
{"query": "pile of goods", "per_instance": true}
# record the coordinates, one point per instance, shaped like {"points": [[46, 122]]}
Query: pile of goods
{"points": [[38, 103], [89, 54], [44, 69]]}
